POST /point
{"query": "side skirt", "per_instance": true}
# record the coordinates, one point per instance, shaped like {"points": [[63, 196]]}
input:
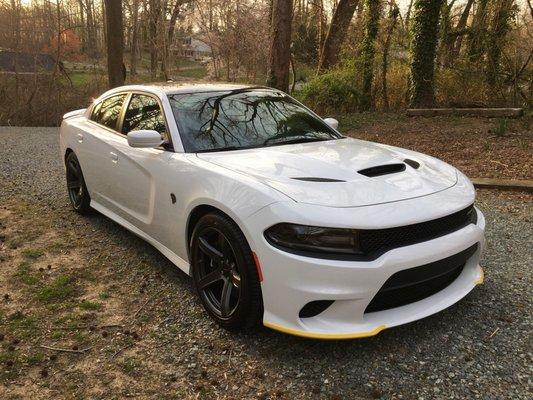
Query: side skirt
{"points": [[173, 257]]}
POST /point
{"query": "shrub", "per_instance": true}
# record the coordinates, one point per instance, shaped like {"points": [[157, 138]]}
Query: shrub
{"points": [[336, 90]]}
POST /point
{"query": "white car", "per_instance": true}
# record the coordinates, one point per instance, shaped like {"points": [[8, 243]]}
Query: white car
{"points": [[278, 218]]}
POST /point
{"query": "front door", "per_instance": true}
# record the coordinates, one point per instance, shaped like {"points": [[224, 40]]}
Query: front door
{"points": [[136, 193]]}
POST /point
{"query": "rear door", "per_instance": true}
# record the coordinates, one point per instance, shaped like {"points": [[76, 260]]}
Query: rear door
{"points": [[95, 150]]}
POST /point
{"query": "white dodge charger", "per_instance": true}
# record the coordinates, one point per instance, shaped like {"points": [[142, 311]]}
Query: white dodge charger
{"points": [[278, 218]]}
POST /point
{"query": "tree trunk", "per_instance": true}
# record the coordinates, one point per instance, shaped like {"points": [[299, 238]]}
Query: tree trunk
{"points": [[155, 11], [337, 33], [115, 42], [408, 15], [280, 45], [424, 31], [368, 51], [393, 17], [477, 32], [447, 38], [83, 28], [92, 43], [134, 45], [499, 27], [460, 30], [170, 38]]}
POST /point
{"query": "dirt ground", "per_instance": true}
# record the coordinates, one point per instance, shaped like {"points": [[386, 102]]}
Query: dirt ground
{"points": [[480, 147]]}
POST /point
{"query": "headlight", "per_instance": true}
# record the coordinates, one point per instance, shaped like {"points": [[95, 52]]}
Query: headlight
{"points": [[314, 239]]}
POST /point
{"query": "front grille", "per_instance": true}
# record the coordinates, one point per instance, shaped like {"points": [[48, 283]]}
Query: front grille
{"points": [[414, 284], [374, 242]]}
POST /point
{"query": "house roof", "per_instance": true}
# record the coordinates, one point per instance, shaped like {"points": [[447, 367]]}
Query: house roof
{"points": [[13, 61]]}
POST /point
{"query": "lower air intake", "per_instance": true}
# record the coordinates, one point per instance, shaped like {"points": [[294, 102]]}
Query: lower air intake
{"points": [[414, 284], [313, 308]]}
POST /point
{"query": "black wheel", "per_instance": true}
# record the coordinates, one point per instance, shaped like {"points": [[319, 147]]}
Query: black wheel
{"points": [[224, 273], [77, 190]]}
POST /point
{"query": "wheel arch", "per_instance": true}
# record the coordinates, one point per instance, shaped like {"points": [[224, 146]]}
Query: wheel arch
{"points": [[203, 209]]}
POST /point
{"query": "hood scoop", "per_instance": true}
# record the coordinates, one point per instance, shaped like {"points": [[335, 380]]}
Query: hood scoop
{"points": [[313, 179], [379, 170], [412, 163]]}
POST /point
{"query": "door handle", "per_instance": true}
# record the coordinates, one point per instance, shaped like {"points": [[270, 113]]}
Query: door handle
{"points": [[113, 156], [80, 137]]}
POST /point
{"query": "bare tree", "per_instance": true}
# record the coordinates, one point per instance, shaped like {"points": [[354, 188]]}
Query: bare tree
{"points": [[280, 43], [134, 41], [337, 32], [115, 42]]}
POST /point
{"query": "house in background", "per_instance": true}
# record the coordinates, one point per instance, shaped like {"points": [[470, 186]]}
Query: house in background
{"points": [[26, 63], [192, 48]]}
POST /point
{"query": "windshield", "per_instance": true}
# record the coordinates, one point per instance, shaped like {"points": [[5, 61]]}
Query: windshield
{"points": [[239, 119]]}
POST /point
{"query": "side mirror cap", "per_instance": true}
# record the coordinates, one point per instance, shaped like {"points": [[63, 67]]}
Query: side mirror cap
{"points": [[144, 139], [332, 122]]}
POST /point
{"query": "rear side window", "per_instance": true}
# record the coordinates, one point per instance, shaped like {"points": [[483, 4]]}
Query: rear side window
{"points": [[107, 112], [144, 112]]}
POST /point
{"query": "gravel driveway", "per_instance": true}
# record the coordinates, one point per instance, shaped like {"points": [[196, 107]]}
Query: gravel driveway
{"points": [[148, 337]]}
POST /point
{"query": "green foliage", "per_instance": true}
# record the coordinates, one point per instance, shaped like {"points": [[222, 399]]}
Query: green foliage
{"points": [[60, 289], [304, 43], [335, 90], [368, 50], [424, 31], [32, 253], [90, 305], [501, 127], [25, 275]]}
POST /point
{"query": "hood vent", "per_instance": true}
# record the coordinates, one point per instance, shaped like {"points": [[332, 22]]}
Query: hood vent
{"points": [[412, 163], [312, 179], [382, 170]]}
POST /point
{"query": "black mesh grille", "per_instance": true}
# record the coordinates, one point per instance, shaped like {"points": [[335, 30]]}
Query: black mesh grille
{"points": [[417, 283], [377, 241]]}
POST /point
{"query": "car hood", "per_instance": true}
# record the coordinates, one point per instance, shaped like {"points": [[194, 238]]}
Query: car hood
{"points": [[330, 171]]}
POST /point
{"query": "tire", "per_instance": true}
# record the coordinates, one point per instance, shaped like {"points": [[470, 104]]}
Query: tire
{"points": [[78, 194], [221, 258]]}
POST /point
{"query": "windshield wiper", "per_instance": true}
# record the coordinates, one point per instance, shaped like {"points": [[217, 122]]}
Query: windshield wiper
{"points": [[229, 148], [296, 140]]}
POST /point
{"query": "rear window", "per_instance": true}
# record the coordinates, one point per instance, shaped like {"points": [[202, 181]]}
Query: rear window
{"points": [[107, 112]]}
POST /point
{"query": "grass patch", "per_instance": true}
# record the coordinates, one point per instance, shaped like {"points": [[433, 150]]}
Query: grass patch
{"points": [[130, 366], [33, 359], [90, 305], [25, 275], [60, 289], [32, 253], [104, 296], [195, 73], [22, 325], [501, 127], [14, 243]]}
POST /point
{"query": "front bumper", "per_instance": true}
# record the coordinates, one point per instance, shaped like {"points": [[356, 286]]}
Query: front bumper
{"points": [[291, 281]]}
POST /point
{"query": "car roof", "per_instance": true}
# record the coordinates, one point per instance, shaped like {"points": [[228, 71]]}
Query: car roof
{"points": [[182, 87]]}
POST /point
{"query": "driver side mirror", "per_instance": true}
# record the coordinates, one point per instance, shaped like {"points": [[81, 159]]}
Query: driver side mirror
{"points": [[144, 139], [332, 122]]}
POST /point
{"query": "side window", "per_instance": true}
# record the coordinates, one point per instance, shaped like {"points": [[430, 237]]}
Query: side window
{"points": [[107, 112], [144, 112]]}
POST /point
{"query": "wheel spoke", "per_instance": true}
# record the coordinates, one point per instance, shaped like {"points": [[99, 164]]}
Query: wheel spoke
{"points": [[210, 278], [226, 297], [210, 251], [73, 185], [74, 168]]}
